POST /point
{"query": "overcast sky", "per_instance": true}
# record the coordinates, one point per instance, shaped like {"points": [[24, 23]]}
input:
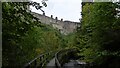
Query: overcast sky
{"points": [[66, 9]]}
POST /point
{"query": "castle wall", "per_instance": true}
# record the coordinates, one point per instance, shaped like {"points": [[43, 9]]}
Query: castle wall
{"points": [[64, 27]]}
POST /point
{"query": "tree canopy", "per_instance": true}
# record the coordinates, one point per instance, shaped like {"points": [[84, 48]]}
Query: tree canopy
{"points": [[98, 37]]}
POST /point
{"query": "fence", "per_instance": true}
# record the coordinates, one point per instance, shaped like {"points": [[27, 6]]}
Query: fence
{"points": [[63, 56], [40, 61]]}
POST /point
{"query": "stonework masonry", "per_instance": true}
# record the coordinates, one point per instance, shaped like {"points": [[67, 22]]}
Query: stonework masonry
{"points": [[65, 27]]}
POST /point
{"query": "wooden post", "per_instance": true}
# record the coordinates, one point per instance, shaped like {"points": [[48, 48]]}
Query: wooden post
{"points": [[35, 63], [40, 61]]}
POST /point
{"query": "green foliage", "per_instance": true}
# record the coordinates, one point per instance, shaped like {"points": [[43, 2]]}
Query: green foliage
{"points": [[16, 23], [23, 37], [69, 40], [99, 34]]}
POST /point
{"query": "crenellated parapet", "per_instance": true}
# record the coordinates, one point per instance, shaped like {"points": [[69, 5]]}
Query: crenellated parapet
{"points": [[47, 17], [64, 27]]}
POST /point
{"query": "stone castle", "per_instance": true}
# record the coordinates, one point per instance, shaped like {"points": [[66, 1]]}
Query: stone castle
{"points": [[65, 27]]}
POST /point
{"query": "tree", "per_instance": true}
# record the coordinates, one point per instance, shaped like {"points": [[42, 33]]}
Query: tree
{"points": [[24, 37], [99, 34]]}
